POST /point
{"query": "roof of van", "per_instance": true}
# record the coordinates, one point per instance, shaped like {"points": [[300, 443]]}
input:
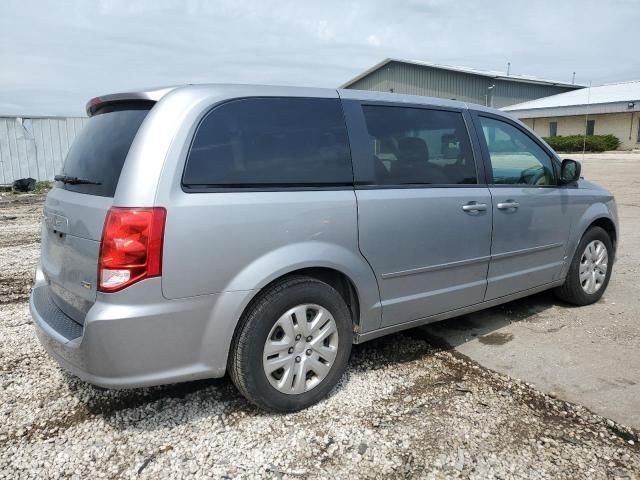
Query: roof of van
{"points": [[155, 94]]}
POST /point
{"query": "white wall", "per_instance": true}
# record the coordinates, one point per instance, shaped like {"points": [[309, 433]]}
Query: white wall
{"points": [[35, 147], [622, 125]]}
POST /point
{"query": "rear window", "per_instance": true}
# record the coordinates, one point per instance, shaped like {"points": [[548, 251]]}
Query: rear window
{"points": [[99, 150], [270, 142]]}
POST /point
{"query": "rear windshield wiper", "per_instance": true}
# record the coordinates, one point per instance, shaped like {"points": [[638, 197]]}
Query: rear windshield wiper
{"points": [[74, 180]]}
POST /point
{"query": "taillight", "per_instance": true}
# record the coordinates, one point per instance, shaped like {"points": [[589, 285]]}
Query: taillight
{"points": [[131, 247]]}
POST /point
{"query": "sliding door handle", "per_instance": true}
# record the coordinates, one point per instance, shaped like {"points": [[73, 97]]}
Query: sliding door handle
{"points": [[508, 205]]}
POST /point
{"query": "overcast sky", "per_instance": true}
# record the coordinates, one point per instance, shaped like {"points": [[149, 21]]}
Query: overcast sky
{"points": [[56, 54]]}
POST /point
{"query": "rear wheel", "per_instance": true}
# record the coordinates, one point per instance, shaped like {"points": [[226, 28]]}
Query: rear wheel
{"points": [[590, 269], [292, 345]]}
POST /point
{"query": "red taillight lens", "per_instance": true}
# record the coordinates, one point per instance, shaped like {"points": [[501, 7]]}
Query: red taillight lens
{"points": [[131, 247]]}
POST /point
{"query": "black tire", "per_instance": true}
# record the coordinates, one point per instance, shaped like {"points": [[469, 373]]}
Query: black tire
{"points": [[571, 291], [245, 357]]}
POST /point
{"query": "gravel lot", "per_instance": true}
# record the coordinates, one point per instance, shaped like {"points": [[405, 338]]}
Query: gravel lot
{"points": [[406, 408]]}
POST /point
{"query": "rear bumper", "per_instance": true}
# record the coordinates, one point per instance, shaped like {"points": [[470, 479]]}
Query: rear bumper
{"points": [[129, 342]]}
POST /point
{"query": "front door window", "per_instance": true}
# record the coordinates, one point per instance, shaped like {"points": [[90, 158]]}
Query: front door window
{"points": [[515, 158]]}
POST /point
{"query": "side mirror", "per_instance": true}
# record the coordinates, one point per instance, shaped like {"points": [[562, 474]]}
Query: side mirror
{"points": [[569, 171]]}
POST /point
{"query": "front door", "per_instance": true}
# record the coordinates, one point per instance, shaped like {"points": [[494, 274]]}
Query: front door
{"points": [[531, 218], [424, 216]]}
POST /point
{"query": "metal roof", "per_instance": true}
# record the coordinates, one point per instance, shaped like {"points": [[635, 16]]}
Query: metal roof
{"points": [[609, 93], [609, 98], [472, 71]]}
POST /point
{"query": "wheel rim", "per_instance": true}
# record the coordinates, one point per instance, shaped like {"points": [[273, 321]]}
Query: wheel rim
{"points": [[300, 349], [593, 266]]}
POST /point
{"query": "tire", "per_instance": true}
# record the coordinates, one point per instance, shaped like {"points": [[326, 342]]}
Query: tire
{"points": [[262, 322], [572, 291]]}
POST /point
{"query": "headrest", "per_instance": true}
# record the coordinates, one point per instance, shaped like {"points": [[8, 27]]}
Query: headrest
{"points": [[413, 149]]}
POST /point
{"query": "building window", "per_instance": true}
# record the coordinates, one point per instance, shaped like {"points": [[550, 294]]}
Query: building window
{"points": [[553, 129], [591, 126], [638, 139]]}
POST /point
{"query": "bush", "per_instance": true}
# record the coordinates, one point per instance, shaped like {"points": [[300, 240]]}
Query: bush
{"points": [[591, 143], [43, 186]]}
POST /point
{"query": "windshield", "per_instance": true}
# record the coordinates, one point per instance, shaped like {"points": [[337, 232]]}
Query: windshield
{"points": [[99, 151]]}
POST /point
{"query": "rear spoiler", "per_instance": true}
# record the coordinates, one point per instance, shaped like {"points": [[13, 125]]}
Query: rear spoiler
{"points": [[148, 95]]}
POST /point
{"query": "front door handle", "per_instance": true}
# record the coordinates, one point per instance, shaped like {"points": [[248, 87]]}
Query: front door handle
{"points": [[509, 204], [474, 207]]}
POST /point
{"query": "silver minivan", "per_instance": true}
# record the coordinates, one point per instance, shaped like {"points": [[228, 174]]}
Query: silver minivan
{"points": [[261, 231]]}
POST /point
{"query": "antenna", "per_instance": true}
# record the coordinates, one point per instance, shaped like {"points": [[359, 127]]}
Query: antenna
{"points": [[573, 78], [508, 68]]}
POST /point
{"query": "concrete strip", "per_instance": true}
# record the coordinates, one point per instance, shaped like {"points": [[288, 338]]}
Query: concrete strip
{"points": [[588, 355]]}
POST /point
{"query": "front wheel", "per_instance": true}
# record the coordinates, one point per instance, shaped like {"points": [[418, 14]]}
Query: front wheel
{"points": [[590, 269], [292, 345]]}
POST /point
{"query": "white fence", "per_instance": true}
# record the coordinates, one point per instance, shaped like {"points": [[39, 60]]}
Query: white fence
{"points": [[35, 147]]}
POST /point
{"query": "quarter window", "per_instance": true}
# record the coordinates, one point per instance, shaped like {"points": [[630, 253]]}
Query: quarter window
{"points": [[419, 146], [271, 142], [515, 157]]}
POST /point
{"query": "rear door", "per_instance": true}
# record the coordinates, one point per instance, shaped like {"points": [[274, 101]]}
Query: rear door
{"points": [[531, 215], [74, 212], [424, 214]]}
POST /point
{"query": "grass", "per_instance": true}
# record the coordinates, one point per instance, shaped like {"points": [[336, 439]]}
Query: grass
{"points": [[43, 186]]}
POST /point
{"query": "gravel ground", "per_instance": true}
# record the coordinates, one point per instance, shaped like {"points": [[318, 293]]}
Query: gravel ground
{"points": [[407, 407]]}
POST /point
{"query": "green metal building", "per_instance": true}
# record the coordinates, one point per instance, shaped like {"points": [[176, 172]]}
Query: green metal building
{"points": [[491, 88]]}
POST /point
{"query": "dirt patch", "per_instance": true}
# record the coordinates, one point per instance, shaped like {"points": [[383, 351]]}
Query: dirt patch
{"points": [[15, 287], [12, 202], [19, 239], [49, 428]]}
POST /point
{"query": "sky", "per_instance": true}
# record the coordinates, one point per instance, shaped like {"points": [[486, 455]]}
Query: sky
{"points": [[55, 55]]}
